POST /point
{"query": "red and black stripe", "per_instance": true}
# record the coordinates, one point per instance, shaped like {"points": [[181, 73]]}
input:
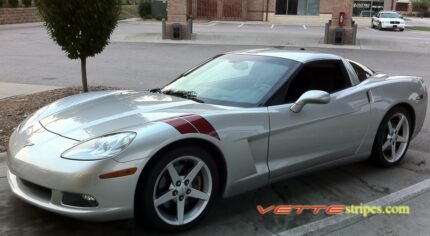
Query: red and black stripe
{"points": [[193, 124]]}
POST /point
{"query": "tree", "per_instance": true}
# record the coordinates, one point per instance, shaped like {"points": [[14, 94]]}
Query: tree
{"points": [[82, 28], [27, 3], [13, 3], [421, 5]]}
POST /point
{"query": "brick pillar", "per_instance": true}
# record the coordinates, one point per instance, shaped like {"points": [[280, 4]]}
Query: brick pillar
{"points": [[220, 6], [177, 13], [177, 10], [410, 8], [338, 7], [244, 9]]}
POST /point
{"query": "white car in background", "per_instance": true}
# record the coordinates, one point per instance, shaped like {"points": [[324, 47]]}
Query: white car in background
{"points": [[388, 20]]}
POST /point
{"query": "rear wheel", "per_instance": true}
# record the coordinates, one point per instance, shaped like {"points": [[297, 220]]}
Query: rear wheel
{"points": [[392, 138], [178, 190]]}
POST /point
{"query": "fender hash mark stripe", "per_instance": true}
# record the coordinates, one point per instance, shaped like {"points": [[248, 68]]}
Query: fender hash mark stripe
{"points": [[183, 126], [193, 124], [202, 125]]}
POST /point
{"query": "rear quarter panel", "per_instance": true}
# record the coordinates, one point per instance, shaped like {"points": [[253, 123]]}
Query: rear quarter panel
{"points": [[388, 92]]}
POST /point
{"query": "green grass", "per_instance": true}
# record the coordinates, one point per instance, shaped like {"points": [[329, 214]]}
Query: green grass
{"points": [[419, 28], [128, 11]]}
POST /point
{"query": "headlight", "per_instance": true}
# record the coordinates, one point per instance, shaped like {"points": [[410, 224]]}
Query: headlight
{"points": [[100, 148]]}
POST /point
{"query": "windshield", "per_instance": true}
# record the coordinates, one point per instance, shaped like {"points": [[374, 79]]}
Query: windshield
{"points": [[390, 15], [232, 79]]}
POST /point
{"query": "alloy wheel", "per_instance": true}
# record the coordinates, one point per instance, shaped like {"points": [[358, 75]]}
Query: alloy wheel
{"points": [[182, 190], [396, 137]]}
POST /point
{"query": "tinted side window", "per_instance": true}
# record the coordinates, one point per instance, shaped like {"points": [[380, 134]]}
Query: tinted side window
{"points": [[362, 72], [329, 76]]}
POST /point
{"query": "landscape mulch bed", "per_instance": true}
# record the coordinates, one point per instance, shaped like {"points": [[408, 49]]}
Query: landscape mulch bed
{"points": [[13, 110]]}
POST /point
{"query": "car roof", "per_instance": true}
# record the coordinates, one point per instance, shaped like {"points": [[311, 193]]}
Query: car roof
{"points": [[299, 56], [388, 12]]}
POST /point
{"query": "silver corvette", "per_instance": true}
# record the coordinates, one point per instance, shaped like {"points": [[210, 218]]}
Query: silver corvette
{"points": [[235, 123]]}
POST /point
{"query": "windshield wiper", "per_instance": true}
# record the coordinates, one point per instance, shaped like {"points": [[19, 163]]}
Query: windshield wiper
{"points": [[155, 90], [191, 95]]}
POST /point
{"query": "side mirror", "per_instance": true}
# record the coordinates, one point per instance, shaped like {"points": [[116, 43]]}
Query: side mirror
{"points": [[310, 97]]}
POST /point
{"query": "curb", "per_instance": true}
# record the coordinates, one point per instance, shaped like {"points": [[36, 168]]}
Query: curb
{"points": [[3, 168], [21, 25], [8, 89], [333, 223], [193, 42]]}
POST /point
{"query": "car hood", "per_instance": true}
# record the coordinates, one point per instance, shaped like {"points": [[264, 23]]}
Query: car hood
{"points": [[393, 19], [90, 115]]}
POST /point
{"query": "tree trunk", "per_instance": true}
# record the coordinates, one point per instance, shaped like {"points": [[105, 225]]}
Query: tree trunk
{"points": [[84, 74]]}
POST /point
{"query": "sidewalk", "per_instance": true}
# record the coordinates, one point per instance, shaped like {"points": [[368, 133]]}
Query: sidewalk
{"points": [[417, 221], [2, 165], [13, 89]]}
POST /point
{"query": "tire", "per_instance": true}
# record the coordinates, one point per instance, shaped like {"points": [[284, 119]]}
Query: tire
{"points": [[161, 193], [401, 30], [390, 135], [379, 26]]}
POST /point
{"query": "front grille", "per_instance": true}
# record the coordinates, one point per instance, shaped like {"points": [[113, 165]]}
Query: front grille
{"points": [[41, 192], [394, 22]]}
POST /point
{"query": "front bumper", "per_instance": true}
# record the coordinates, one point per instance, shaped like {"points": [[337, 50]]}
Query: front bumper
{"points": [[53, 203], [392, 26], [39, 175]]}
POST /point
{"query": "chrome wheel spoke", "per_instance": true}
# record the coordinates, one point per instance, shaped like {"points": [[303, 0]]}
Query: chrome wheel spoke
{"points": [[401, 139], [386, 145], [400, 124], [173, 173], [193, 173], [393, 151], [180, 206], [198, 195], [390, 127], [164, 198]]}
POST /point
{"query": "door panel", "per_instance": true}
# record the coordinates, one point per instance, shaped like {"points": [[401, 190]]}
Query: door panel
{"points": [[320, 133]]}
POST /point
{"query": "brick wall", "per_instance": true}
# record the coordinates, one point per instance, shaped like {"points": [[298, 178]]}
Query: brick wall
{"points": [[177, 10], [256, 9], [18, 15], [326, 6]]}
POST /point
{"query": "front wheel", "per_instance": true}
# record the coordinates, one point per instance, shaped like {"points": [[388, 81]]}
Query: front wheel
{"points": [[178, 190], [392, 138]]}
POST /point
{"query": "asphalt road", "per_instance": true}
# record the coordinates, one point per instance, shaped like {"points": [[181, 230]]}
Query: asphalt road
{"points": [[27, 55]]}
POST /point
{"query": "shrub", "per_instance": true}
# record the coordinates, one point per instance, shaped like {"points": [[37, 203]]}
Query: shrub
{"points": [[145, 9], [159, 18], [27, 3], [13, 3], [1, 3], [80, 35]]}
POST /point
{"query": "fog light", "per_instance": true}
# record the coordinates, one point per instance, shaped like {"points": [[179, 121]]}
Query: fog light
{"points": [[79, 200]]}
